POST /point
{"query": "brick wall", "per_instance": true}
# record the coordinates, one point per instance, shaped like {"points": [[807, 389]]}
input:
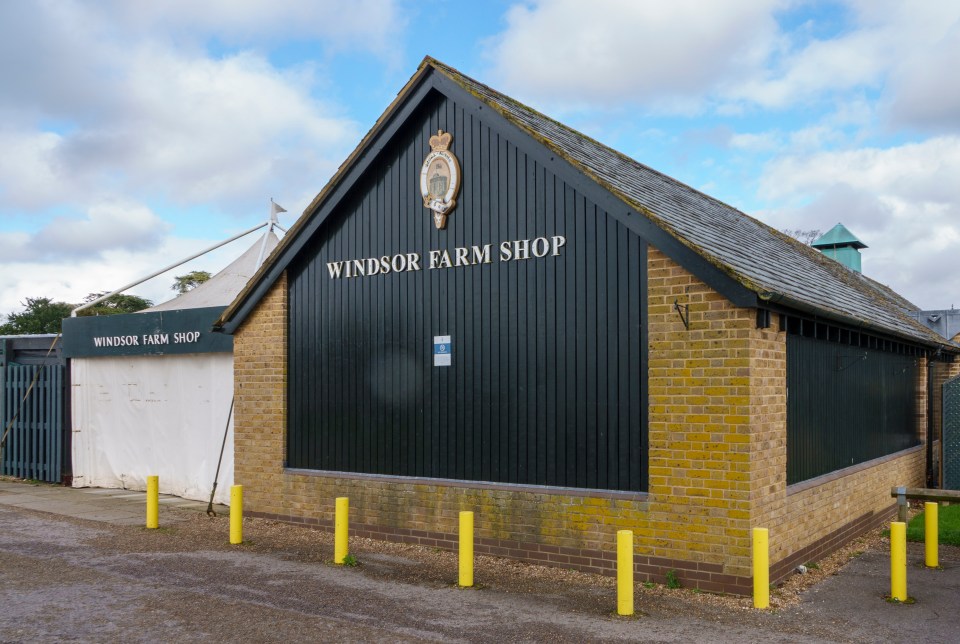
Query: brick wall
{"points": [[814, 518], [944, 371], [768, 454], [717, 461], [921, 393], [260, 382], [706, 421]]}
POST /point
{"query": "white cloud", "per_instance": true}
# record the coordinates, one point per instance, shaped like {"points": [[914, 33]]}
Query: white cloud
{"points": [[903, 202], [683, 56], [858, 59], [29, 172], [63, 58], [925, 87], [570, 51], [885, 39], [110, 225], [756, 141], [115, 111], [214, 129], [359, 24], [13, 247], [202, 129], [918, 172], [102, 107]]}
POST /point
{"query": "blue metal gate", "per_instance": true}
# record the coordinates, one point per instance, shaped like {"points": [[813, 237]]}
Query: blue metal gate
{"points": [[951, 434]]}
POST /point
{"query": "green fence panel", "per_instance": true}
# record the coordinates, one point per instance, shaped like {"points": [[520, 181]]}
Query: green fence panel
{"points": [[951, 434], [34, 448]]}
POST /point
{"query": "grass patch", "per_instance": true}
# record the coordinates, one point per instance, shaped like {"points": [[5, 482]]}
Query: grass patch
{"points": [[909, 600], [672, 580], [948, 525]]}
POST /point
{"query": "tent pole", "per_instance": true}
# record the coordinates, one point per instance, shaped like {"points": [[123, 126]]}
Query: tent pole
{"points": [[73, 313], [216, 477]]}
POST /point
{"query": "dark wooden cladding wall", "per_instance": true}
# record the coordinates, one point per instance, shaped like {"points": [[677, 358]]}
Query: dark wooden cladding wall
{"points": [[846, 404], [548, 376]]}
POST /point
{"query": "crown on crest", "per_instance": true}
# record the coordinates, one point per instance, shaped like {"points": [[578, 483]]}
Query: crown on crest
{"points": [[440, 140]]}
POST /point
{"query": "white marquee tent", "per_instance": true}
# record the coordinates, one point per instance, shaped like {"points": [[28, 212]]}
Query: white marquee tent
{"points": [[151, 392]]}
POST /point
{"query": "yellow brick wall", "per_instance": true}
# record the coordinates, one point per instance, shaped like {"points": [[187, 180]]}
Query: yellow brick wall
{"points": [[768, 454], [717, 456], [706, 421], [807, 515], [921, 393], [260, 383]]}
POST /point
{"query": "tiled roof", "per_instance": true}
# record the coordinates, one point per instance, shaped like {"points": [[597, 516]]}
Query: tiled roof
{"points": [[775, 266]]}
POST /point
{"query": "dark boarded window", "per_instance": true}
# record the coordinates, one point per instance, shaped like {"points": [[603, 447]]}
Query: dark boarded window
{"points": [[850, 398], [547, 379]]}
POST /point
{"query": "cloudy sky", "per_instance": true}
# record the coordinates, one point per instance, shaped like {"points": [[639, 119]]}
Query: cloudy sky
{"points": [[134, 133]]}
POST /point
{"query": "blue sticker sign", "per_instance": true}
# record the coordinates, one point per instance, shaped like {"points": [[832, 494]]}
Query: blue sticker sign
{"points": [[442, 351]]}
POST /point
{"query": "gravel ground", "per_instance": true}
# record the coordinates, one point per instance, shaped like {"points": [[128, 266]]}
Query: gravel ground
{"points": [[70, 579]]}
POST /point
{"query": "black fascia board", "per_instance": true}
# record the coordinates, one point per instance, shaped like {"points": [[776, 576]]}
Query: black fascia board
{"points": [[314, 219], [616, 207], [784, 305]]}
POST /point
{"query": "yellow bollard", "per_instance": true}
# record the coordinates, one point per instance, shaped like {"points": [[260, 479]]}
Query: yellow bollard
{"points": [[931, 532], [340, 537], [898, 561], [761, 568], [153, 501], [236, 514], [466, 549], [624, 572]]}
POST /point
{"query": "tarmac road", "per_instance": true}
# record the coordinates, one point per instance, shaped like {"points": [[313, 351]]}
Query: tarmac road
{"points": [[67, 577]]}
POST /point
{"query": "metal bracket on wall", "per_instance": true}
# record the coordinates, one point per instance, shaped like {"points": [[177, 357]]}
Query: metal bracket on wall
{"points": [[852, 360], [903, 370], [684, 311]]}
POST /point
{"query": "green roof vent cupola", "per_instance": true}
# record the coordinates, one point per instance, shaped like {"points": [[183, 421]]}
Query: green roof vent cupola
{"points": [[840, 244]]}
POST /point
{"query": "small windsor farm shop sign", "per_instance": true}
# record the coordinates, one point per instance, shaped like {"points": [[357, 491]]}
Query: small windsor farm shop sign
{"points": [[155, 332]]}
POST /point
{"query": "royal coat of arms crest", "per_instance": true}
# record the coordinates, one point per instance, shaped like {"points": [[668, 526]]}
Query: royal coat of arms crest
{"points": [[440, 178]]}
